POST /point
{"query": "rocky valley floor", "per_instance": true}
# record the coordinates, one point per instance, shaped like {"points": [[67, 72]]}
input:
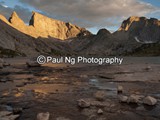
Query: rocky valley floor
{"points": [[80, 92]]}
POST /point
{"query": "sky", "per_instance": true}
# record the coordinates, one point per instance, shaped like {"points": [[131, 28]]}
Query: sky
{"points": [[91, 14]]}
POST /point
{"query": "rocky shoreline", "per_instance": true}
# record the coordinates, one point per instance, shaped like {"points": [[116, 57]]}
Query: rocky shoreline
{"points": [[79, 92]]}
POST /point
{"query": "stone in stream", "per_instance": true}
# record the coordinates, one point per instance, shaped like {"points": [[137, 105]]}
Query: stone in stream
{"points": [[100, 111], [123, 98], [83, 104], [100, 95], [119, 89], [135, 99], [149, 100], [5, 115], [43, 116]]}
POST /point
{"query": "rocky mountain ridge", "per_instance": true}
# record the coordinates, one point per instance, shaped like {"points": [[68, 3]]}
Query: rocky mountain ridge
{"points": [[42, 26], [136, 35]]}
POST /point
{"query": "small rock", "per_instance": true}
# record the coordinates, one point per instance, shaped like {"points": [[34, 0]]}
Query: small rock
{"points": [[100, 95], [135, 99], [1, 65], [150, 100], [100, 111], [119, 89], [43, 116], [148, 68], [12, 117], [123, 98], [83, 76], [45, 78], [32, 64], [83, 104], [5, 113]]}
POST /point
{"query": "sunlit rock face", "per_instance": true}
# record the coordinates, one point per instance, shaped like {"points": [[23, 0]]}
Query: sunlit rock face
{"points": [[142, 29], [42, 26]]}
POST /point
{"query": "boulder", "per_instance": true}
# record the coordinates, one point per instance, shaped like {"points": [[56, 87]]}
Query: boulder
{"points": [[149, 100], [43, 116], [135, 99]]}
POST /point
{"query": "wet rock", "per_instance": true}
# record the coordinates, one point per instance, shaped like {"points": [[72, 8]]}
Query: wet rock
{"points": [[149, 100], [45, 78], [32, 64], [100, 111], [100, 95], [5, 115], [135, 99], [119, 89], [123, 98], [43, 116], [83, 104], [62, 118]]}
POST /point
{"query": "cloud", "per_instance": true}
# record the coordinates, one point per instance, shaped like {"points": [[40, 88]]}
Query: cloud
{"points": [[24, 13], [92, 13]]}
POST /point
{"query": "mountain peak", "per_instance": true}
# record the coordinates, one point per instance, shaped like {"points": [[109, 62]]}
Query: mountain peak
{"points": [[54, 28], [103, 32], [16, 20]]}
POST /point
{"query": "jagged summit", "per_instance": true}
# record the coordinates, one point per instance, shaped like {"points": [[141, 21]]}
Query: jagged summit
{"points": [[16, 20], [143, 30], [43, 26], [140, 21]]}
